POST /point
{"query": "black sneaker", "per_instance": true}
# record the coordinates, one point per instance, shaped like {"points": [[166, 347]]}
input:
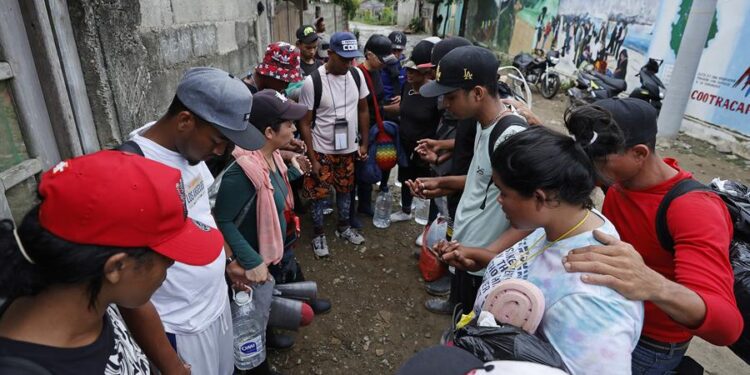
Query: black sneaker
{"points": [[440, 287], [278, 341], [320, 305], [439, 306]]}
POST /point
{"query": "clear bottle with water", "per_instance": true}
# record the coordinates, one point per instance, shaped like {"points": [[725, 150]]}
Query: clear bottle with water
{"points": [[421, 210], [249, 332], [382, 217]]}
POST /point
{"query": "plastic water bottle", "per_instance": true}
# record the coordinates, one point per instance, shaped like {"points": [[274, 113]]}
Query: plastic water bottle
{"points": [[442, 206], [249, 332], [382, 217], [421, 210]]}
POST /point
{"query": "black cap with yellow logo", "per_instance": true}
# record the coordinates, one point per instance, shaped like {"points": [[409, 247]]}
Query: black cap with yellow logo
{"points": [[306, 34], [462, 68]]}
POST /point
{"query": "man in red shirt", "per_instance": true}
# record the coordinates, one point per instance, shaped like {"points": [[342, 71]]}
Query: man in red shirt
{"points": [[687, 293]]}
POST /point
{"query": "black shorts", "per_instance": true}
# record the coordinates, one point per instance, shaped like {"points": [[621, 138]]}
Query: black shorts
{"points": [[464, 288]]}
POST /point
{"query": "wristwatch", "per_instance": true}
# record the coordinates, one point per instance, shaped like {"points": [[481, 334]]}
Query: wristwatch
{"points": [[230, 259]]}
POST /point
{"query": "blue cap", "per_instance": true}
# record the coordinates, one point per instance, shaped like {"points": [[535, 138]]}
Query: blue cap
{"points": [[344, 44]]}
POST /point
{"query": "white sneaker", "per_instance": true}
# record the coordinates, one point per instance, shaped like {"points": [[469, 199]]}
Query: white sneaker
{"points": [[419, 239], [351, 235], [320, 246], [400, 216]]}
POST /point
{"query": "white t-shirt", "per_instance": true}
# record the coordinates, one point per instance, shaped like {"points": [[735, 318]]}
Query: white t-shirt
{"points": [[475, 226], [593, 328], [192, 297], [344, 104]]}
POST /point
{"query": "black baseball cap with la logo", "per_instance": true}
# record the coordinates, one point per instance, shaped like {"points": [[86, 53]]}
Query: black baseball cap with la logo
{"points": [[462, 68]]}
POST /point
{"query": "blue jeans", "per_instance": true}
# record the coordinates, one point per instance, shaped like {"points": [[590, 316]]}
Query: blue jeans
{"points": [[647, 361]]}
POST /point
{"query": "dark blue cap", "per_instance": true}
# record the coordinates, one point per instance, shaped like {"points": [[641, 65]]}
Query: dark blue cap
{"points": [[344, 44]]}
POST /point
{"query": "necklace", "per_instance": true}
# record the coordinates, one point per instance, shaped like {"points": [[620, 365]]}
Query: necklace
{"points": [[497, 118], [519, 263], [271, 164]]}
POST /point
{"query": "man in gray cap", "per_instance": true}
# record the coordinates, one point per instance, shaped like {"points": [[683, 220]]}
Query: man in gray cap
{"points": [[210, 109]]}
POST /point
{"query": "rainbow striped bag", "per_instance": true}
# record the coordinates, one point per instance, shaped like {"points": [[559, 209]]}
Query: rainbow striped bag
{"points": [[386, 155]]}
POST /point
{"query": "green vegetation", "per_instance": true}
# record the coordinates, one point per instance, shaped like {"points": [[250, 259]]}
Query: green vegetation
{"points": [[349, 6], [386, 17], [416, 25]]}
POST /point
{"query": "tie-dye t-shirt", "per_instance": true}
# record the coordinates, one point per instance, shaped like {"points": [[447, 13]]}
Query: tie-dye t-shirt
{"points": [[594, 328]]}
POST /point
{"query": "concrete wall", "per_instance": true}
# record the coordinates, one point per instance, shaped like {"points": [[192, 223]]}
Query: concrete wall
{"points": [[407, 10], [133, 52]]}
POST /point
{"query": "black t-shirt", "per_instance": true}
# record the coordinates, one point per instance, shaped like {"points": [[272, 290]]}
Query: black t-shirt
{"points": [[114, 352], [463, 151], [419, 115], [307, 69]]}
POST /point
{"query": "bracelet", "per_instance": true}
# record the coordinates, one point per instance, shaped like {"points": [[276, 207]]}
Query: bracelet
{"points": [[230, 259]]}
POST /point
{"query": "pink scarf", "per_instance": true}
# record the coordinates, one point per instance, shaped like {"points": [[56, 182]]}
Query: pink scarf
{"points": [[270, 238]]}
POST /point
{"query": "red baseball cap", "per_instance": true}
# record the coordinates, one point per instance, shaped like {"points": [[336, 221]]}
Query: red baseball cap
{"points": [[115, 198]]}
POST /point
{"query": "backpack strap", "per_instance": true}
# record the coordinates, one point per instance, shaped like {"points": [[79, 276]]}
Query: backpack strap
{"points": [[213, 190], [662, 230], [318, 90], [131, 147], [317, 93], [243, 212], [355, 76], [502, 125]]}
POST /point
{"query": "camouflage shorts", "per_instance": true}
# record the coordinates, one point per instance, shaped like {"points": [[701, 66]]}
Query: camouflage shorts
{"points": [[336, 171]]}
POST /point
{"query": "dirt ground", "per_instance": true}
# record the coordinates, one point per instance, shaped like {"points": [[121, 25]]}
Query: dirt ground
{"points": [[378, 318]]}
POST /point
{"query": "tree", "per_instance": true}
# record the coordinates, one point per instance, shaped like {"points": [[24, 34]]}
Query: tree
{"points": [[349, 6]]}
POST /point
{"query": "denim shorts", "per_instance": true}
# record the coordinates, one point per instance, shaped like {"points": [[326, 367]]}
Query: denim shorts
{"points": [[647, 360]]}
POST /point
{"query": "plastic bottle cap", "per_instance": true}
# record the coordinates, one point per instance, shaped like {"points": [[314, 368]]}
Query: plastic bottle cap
{"points": [[242, 298]]}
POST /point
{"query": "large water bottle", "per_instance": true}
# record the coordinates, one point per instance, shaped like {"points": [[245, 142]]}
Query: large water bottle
{"points": [[421, 210], [249, 332], [382, 217]]}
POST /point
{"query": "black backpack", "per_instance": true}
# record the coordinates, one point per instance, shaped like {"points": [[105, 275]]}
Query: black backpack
{"points": [[318, 90], [131, 147], [502, 125], [736, 196]]}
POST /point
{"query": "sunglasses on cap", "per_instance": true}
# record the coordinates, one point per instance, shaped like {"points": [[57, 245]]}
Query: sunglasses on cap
{"points": [[387, 59]]}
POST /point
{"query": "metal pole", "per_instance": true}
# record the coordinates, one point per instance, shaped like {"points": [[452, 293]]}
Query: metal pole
{"points": [[685, 66]]}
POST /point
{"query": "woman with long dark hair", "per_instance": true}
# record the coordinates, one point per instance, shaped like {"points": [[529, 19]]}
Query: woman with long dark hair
{"points": [[108, 226], [545, 181]]}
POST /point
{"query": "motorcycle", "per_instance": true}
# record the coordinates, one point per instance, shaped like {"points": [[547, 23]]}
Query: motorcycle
{"points": [[652, 89], [592, 86], [537, 71], [512, 84]]}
